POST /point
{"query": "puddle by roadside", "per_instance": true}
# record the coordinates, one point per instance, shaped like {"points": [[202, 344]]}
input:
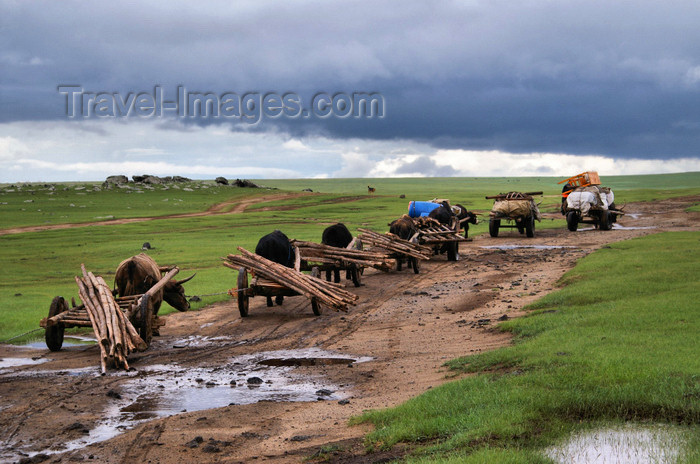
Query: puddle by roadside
{"points": [[7, 363], [164, 390], [619, 227], [68, 341], [517, 247], [627, 444]]}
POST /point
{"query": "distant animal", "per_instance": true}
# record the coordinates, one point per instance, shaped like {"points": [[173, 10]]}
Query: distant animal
{"points": [[275, 246], [405, 228], [338, 236], [136, 275], [370, 189]]}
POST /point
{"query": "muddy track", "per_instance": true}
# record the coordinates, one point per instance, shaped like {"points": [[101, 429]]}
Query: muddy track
{"points": [[408, 324]]}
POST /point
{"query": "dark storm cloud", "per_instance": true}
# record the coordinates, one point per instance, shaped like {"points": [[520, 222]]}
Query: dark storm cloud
{"points": [[615, 78]]}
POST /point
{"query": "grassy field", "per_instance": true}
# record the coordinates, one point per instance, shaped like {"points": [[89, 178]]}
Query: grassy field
{"points": [[618, 343], [40, 265]]}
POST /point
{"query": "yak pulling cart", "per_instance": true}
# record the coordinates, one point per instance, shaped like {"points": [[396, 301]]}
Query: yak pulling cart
{"points": [[515, 210], [440, 237], [397, 249], [271, 279], [121, 325], [584, 200]]}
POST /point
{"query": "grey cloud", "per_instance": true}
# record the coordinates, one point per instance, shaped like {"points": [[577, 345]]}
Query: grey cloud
{"points": [[574, 77]]}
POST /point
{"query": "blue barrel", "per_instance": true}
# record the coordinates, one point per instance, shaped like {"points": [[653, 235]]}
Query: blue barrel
{"points": [[421, 208]]}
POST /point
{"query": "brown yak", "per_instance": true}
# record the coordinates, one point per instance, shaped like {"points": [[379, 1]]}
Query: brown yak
{"points": [[139, 273]]}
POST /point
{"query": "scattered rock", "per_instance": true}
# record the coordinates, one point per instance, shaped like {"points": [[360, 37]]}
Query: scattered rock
{"points": [[211, 448], [114, 394], [232, 383], [221, 181], [115, 180], [324, 392], [503, 318], [146, 246], [195, 299], [300, 438], [307, 190], [245, 183], [194, 443], [37, 458], [77, 426], [344, 402], [254, 381]]}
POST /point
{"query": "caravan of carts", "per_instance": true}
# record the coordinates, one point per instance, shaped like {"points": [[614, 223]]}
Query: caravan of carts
{"points": [[434, 227]]}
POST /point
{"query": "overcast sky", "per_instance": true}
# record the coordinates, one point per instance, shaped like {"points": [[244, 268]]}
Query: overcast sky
{"points": [[471, 88]]}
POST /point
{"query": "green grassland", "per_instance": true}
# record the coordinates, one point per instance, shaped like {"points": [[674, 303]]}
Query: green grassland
{"points": [[40, 265], [619, 342]]}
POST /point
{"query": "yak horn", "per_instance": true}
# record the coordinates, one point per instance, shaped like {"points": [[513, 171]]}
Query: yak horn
{"points": [[186, 280]]}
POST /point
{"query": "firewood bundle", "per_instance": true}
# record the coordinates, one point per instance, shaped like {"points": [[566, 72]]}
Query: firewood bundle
{"points": [[425, 222], [395, 244], [342, 257], [326, 293], [115, 335]]}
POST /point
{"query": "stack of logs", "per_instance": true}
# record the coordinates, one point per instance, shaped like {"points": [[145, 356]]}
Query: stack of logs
{"points": [[395, 244], [326, 293], [342, 257], [115, 335]]}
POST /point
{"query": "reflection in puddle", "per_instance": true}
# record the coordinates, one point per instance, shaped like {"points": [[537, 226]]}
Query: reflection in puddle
{"points": [[516, 247], [165, 390], [627, 444]]}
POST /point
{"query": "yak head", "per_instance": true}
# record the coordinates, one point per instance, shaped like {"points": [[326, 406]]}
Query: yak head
{"points": [[174, 294]]}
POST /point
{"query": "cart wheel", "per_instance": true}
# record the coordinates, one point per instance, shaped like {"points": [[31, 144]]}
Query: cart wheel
{"points": [[530, 226], [494, 225], [452, 251], [242, 295], [356, 276], [605, 223], [54, 334], [572, 221], [146, 322]]}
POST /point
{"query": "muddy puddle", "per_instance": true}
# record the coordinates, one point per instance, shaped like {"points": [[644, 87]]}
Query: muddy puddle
{"points": [[518, 247], [68, 341], [619, 227], [8, 363], [165, 390], [627, 444]]}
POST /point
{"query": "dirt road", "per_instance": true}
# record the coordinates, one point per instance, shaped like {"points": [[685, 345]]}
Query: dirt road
{"points": [[280, 384]]}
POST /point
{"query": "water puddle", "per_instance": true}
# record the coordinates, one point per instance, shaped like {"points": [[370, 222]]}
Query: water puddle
{"points": [[628, 444], [68, 341], [7, 363], [197, 341], [165, 390], [535, 247], [619, 227]]}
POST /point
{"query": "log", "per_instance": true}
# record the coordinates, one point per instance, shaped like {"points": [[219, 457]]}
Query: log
{"points": [[84, 296], [327, 294]]}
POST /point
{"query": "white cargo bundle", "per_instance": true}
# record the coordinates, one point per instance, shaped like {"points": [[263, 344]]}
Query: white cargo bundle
{"points": [[585, 198]]}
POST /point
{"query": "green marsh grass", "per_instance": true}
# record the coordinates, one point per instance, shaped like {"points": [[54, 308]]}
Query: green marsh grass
{"points": [[619, 342]]}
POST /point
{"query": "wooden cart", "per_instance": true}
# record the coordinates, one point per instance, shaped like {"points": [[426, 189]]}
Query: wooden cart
{"points": [[514, 210], [271, 279], [441, 237], [397, 248], [138, 309]]}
